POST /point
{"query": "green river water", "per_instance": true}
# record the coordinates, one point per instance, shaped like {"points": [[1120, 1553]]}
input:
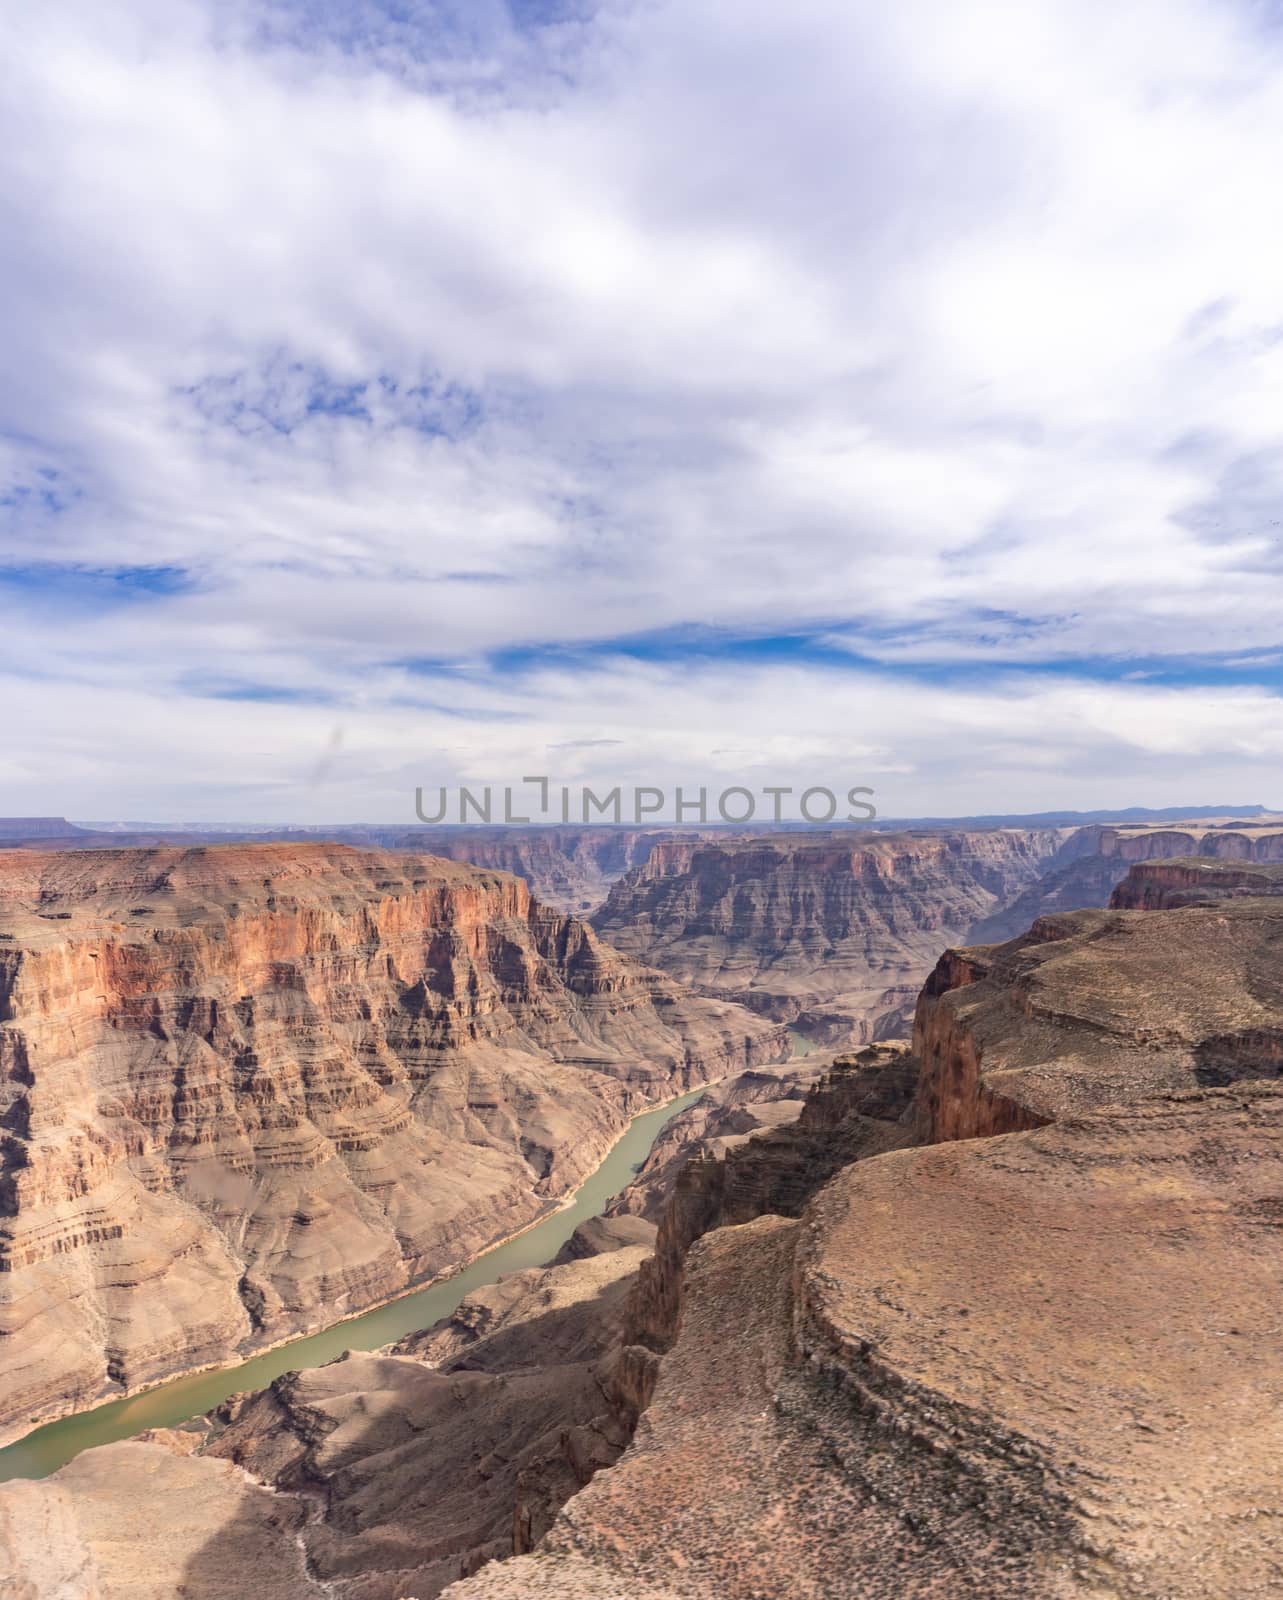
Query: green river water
{"points": [[168, 1404]]}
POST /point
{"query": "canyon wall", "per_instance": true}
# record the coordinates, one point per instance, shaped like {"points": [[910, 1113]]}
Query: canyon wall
{"points": [[571, 868], [246, 1090], [830, 932], [1166, 885]]}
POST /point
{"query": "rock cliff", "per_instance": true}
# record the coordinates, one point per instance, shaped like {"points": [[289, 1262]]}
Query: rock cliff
{"points": [[571, 868], [728, 1114], [245, 1090], [1166, 885], [830, 932]]}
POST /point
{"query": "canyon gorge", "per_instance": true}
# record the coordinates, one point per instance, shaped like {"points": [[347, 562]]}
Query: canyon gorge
{"points": [[831, 932], [250, 1088], [984, 1311]]}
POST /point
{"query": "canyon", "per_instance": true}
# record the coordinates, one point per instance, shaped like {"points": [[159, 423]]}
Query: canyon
{"points": [[573, 867], [250, 1089], [1096, 859], [1023, 1341], [989, 1312], [829, 932], [835, 934]]}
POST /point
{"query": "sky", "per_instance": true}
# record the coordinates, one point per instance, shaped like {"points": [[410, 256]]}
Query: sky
{"points": [[723, 392]]}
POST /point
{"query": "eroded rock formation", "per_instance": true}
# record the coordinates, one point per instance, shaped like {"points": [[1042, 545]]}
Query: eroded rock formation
{"points": [[248, 1089], [1167, 885], [832, 932], [728, 1114], [571, 868]]}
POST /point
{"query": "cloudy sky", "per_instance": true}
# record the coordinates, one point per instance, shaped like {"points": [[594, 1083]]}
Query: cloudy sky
{"points": [[406, 391]]}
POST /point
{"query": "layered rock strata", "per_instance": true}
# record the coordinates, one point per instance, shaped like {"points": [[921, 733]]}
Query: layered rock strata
{"points": [[571, 868], [832, 932], [728, 1114], [245, 1090], [379, 1476], [1167, 885]]}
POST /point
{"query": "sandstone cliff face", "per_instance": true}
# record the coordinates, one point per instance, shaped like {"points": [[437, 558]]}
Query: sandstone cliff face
{"points": [[832, 933], [1096, 1008], [245, 1090]]}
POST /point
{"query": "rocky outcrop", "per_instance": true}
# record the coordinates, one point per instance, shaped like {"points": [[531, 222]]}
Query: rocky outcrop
{"points": [[458, 1445], [859, 1108], [134, 1520], [1167, 885], [728, 1114], [1095, 1008], [832, 932], [249, 1089], [1041, 1366]]}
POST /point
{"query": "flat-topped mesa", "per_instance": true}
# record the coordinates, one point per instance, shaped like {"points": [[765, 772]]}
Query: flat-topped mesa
{"points": [[35, 828], [248, 1089], [833, 932], [1098, 1008], [1261, 840], [1193, 880]]}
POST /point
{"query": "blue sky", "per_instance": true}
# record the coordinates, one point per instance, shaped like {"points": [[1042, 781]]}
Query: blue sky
{"points": [[408, 393]]}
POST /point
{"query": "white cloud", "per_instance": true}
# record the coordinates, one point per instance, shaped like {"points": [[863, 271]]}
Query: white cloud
{"points": [[953, 333]]}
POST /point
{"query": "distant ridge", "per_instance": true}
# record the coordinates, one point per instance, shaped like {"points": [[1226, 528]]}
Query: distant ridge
{"points": [[36, 828], [1069, 819], [380, 834]]}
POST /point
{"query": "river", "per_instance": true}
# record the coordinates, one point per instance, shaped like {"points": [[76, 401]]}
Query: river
{"points": [[46, 1449]]}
